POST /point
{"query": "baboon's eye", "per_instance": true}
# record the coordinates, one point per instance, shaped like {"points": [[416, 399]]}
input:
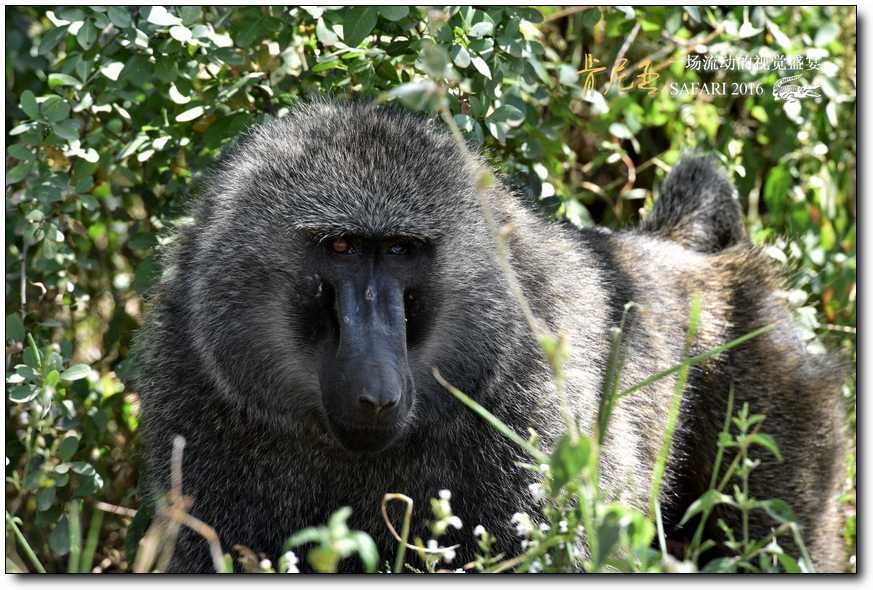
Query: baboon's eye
{"points": [[342, 246], [398, 249]]}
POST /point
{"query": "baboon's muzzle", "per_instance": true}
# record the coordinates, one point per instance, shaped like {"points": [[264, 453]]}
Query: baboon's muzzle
{"points": [[367, 390]]}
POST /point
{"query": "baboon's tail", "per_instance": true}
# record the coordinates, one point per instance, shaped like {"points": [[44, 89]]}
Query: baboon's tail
{"points": [[698, 208]]}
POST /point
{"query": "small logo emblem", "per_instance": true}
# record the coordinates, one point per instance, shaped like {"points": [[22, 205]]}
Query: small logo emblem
{"points": [[792, 92]]}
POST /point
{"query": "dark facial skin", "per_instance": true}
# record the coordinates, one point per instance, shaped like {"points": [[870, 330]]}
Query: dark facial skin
{"points": [[372, 311]]}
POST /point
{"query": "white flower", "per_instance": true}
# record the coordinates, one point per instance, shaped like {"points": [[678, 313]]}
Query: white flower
{"points": [[535, 566], [562, 526], [449, 555], [289, 563], [544, 527], [456, 522], [433, 546], [537, 491], [445, 495], [523, 526], [479, 530], [266, 564]]}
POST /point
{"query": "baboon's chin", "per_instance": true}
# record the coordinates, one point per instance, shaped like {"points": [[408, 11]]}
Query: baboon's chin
{"points": [[362, 440]]}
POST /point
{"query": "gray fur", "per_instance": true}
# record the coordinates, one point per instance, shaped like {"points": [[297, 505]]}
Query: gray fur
{"points": [[230, 358]]}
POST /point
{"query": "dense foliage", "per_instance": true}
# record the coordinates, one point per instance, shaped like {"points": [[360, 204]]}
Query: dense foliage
{"points": [[111, 111]]}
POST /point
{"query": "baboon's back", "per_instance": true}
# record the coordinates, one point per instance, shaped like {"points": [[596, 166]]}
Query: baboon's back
{"points": [[244, 316]]}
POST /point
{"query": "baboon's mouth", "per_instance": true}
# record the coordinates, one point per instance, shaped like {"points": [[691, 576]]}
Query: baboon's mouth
{"points": [[365, 439]]}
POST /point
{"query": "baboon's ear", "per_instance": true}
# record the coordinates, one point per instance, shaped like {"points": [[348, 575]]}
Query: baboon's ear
{"points": [[698, 208]]}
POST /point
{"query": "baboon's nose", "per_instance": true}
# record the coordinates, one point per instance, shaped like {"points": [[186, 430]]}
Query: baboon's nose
{"points": [[377, 403]]}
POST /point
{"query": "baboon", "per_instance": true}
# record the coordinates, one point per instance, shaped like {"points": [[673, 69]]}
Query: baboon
{"points": [[341, 253]]}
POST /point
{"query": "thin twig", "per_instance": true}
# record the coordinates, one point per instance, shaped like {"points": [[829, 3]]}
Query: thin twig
{"points": [[113, 509], [23, 282]]}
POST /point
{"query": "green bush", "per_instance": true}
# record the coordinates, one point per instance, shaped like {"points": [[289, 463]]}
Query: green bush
{"points": [[111, 111]]}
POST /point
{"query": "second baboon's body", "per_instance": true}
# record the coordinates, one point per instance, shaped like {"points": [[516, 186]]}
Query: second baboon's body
{"points": [[342, 254]]}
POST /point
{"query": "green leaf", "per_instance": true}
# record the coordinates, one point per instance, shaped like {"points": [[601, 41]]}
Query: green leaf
{"points": [[706, 502], [776, 187], [767, 441], [443, 32], [19, 173], [248, 32], [507, 114], [82, 467], [76, 372], [497, 130], [693, 13], [189, 14], [119, 16], [46, 193], [511, 46], [23, 373], [32, 355], [530, 14], [33, 479], [66, 130], [609, 531], [479, 105], [358, 22], [759, 113], [484, 47], [74, 15], [50, 40], [191, 114], [159, 16], [84, 184], [143, 241], [59, 540], [45, 497], [166, 68], [327, 37], [51, 379], [779, 511], [62, 80], [230, 56], [393, 13], [29, 104], [591, 17], [483, 29], [788, 563], [433, 59], [460, 56], [56, 109], [89, 202], [388, 71], [69, 447], [21, 394], [568, 460], [146, 274], [90, 483], [481, 66], [86, 35], [14, 328], [19, 152], [180, 33], [827, 33]]}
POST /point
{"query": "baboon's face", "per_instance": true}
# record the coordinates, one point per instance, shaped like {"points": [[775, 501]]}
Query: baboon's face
{"points": [[324, 273], [368, 315]]}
